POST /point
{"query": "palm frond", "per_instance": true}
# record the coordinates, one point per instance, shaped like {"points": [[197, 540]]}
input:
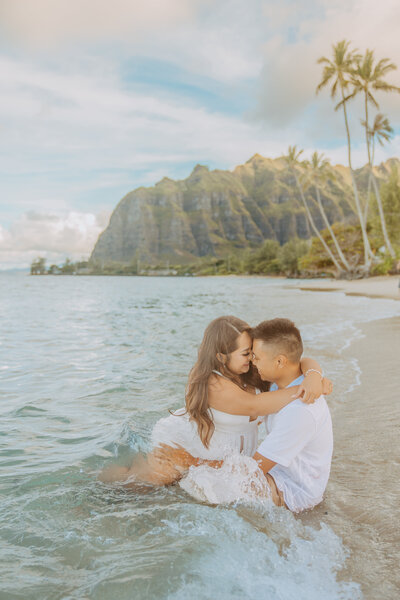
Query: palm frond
{"points": [[371, 99], [382, 86], [383, 67], [346, 99]]}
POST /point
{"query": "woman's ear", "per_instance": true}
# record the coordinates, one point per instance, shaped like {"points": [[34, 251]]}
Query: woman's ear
{"points": [[221, 358]]}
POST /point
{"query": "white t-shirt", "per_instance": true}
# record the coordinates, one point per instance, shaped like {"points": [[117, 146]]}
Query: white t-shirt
{"points": [[299, 439]]}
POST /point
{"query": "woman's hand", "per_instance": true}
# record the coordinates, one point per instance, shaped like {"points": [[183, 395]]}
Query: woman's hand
{"points": [[312, 387]]}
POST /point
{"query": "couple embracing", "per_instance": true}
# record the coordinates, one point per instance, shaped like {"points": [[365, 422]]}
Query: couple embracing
{"points": [[245, 376]]}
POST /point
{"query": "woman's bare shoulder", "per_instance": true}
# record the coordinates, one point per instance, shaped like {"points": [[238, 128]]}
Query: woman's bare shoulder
{"points": [[219, 387], [218, 383], [223, 392]]}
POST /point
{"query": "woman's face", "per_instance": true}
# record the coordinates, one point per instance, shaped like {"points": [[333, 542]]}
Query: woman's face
{"points": [[239, 359]]}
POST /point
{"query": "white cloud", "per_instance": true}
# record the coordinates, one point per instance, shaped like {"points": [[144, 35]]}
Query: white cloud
{"points": [[212, 39], [54, 236], [301, 32], [92, 122], [49, 23]]}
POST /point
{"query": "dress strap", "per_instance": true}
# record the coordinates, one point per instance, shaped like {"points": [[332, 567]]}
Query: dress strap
{"points": [[220, 374], [224, 376]]}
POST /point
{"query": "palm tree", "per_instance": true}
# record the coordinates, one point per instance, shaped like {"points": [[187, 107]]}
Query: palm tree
{"points": [[367, 77], [338, 71], [319, 171], [293, 163], [382, 131]]}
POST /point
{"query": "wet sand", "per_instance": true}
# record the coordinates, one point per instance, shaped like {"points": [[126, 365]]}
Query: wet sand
{"points": [[363, 496], [374, 287]]}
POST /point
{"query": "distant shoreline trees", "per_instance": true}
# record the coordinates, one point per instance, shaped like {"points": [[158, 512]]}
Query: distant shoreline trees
{"points": [[38, 267]]}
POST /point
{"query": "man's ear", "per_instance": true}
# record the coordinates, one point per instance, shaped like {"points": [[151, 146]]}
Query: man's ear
{"points": [[281, 361]]}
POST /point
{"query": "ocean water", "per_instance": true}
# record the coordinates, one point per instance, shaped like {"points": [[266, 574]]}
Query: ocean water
{"points": [[87, 366]]}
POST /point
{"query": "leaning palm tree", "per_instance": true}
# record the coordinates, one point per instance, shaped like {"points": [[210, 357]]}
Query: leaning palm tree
{"points": [[319, 170], [338, 72], [293, 163], [381, 131]]}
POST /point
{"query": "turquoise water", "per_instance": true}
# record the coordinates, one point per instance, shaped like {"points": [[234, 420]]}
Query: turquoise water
{"points": [[87, 365]]}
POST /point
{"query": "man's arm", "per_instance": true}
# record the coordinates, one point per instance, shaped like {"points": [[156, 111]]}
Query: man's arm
{"points": [[180, 457], [291, 433], [264, 463]]}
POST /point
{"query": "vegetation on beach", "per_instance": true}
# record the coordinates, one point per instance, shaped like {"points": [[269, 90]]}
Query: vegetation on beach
{"points": [[38, 267], [351, 74]]}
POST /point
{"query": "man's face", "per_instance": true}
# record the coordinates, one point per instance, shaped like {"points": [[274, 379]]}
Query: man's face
{"points": [[266, 361]]}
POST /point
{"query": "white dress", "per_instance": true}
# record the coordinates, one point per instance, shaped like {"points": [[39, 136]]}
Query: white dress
{"points": [[234, 439], [232, 434]]}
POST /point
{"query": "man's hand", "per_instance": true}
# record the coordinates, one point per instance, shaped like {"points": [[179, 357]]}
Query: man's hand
{"points": [[313, 387], [327, 386]]}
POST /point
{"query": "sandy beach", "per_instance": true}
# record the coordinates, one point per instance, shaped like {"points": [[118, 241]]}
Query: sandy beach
{"points": [[374, 287], [362, 501]]}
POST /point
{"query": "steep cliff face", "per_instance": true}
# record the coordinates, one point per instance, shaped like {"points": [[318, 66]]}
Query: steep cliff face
{"points": [[215, 212]]}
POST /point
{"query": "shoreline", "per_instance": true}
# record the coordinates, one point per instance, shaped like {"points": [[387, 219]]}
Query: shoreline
{"points": [[360, 505], [385, 286]]}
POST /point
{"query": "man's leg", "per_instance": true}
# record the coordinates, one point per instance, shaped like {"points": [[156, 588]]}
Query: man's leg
{"points": [[276, 494]]}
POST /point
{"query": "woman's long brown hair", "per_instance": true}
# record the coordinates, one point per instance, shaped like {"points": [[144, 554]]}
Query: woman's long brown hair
{"points": [[220, 337]]}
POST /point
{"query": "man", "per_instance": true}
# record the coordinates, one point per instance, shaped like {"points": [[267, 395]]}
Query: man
{"points": [[297, 452]]}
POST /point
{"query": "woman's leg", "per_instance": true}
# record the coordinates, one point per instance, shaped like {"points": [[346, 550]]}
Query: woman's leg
{"points": [[151, 469], [113, 473]]}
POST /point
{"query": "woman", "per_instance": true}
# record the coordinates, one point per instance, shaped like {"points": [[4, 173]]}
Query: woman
{"points": [[224, 398]]}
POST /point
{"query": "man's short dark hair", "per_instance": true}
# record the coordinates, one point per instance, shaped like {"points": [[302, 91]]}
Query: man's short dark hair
{"points": [[283, 334]]}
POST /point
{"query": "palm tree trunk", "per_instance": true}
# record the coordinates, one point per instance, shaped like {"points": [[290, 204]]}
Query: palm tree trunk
{"points": [[366, 208], [368, 141], [313, 225], [382, 217], [367, 127], [367, 247], [333, 236]]}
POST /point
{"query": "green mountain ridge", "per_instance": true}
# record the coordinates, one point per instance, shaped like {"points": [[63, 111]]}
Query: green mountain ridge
{"points": [[215, 213]]}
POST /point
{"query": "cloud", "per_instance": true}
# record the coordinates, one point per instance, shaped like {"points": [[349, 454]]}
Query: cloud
{"points": [[300, 32], [89, 124], [215, 40], [49, 23], [51, 235]]}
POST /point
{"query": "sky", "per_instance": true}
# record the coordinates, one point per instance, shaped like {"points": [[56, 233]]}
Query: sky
{"points": [[98, 98]]}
